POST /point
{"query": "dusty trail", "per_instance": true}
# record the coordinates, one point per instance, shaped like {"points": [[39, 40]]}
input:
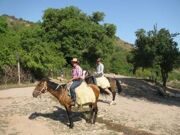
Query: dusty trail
{"points": [[138, 111]]}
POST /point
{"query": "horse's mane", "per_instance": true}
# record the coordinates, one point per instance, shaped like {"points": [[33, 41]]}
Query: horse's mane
{"points": [[45, 79], [54, 85]]}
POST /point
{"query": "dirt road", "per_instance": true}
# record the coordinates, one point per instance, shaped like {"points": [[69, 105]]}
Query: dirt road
{"points": [[139, 110]]}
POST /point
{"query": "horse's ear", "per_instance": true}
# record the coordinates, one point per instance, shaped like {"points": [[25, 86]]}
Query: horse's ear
{"points": [[45, 79]]}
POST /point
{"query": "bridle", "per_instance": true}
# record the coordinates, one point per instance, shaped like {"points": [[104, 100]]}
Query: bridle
{"points": [[44, 88]]}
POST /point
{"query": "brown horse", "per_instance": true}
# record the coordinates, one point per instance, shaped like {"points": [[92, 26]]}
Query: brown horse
{"points": [[62, 94], [115, 86]]}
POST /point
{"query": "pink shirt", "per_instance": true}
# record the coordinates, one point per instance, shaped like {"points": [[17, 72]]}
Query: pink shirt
{"points": [[77, 72]]}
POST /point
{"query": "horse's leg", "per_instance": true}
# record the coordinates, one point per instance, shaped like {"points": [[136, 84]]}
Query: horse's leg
{"points": [[118, 85], [113, 96], [68, 110], [88, 120], [93, 106], [113, 85], [94, 113]]}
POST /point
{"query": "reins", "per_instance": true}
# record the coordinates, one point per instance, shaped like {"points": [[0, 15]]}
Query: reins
{"points": [[57, 87], [43, 90], [49, 83]]}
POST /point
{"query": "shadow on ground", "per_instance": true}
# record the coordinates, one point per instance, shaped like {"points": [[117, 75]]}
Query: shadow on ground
{"points": [[60, 115], [139, 88], [110, 125]]}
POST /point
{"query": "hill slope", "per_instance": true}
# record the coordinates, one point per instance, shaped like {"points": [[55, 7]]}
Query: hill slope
{"points": [[15, 23], [123, 44]]}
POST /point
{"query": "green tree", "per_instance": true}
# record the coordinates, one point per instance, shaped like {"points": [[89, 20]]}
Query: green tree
{"points": [[97, 17], [110, 30], [155, 49], [77, 35], [119, 64], [9, 44], [63, 34], [38, 55], [166, 53], [3, 25]]}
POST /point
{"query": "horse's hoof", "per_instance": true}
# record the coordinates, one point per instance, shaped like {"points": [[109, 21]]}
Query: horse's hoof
{"points": [[93, 122], [112, 103], [88, 121], [71, 126]]}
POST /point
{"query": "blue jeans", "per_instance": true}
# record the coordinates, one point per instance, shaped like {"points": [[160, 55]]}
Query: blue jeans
{"points": [[94, 80], [74, 85]]}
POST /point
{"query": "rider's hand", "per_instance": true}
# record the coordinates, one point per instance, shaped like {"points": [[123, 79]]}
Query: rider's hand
{"points": [[69, 81]]}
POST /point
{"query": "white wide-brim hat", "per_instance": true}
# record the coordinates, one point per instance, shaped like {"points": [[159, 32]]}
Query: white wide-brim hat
{"points": [[74, 60]]}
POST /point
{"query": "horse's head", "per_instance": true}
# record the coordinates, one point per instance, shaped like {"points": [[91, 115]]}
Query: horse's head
{"points": [[40, 88], [86, 73], [89, 78]]}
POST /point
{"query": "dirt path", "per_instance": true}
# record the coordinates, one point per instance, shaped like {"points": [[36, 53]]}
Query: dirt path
{"points": [[138, 111]]}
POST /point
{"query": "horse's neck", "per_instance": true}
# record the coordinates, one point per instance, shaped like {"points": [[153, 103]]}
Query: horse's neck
{"points": [[59, 94], [90, 80], [52, 91]]}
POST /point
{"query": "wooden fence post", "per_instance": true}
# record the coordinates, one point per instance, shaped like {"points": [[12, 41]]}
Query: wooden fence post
{"points": [[18, 67]]}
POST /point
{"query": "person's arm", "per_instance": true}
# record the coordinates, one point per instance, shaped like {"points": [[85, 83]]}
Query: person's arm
{"points": [[102, 69], [74, 78], [75, 75], [98, 71]]}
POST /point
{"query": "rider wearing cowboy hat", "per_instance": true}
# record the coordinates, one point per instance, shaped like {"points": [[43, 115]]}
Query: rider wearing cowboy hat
{"points": [[100, 73], [77, 74], [99, 68]]}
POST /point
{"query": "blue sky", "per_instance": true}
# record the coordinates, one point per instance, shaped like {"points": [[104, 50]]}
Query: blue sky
{"points": [[127, 15]]}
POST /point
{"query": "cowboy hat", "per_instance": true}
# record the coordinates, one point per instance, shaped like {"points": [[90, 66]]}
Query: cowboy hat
{"points": [[99, 59], [74, 60]]}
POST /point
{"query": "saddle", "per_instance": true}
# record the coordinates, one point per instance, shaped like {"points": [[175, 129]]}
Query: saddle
{"points": [[102, 82], [84, 94]]}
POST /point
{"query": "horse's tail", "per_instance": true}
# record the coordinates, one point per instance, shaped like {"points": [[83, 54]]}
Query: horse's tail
{"points": [[119, 88]]}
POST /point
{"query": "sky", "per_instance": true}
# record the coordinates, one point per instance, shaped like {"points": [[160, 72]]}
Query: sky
{"points": [[127, 15]]}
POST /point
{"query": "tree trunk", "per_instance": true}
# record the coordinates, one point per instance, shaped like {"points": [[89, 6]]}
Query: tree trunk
{"points": [[134, 70], [19, 73], [164, 77]]}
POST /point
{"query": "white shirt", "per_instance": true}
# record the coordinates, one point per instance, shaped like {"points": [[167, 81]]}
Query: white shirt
{"points": [[100, 69]]}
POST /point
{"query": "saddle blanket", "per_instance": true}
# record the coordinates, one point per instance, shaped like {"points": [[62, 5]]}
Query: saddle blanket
{"points": [[102, 82], [84, 94]]}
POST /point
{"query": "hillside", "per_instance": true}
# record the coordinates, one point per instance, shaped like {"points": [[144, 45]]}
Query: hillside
{"points": [[123, 44], [15, 23]]}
